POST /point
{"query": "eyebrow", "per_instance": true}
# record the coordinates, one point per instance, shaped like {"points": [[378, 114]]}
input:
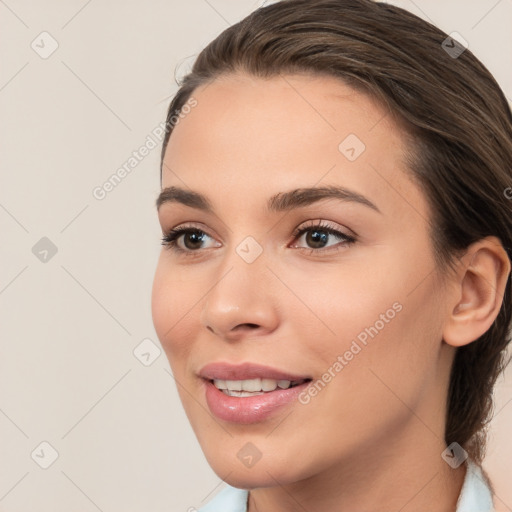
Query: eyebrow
{"points": [[282, 201]]}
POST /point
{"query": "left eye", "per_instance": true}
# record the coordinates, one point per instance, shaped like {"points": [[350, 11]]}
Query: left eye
{"points": [[318, 235]]}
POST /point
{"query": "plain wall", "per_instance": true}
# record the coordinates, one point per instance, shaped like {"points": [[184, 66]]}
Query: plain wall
{"points": [[69, 324]]}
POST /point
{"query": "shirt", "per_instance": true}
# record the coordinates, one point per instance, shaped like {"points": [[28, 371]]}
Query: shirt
{"points": [[475, 495]]}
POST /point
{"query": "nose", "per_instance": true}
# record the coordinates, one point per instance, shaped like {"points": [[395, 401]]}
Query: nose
{"points": [[241, 302]]}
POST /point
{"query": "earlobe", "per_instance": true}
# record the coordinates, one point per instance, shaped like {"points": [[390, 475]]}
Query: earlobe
{"points": [[478, 292]]}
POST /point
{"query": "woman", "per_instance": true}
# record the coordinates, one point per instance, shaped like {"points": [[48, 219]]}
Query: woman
{"points": [[333, 293]]}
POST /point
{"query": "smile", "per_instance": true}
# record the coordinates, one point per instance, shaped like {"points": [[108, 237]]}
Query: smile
{"points": [[252, 387]]}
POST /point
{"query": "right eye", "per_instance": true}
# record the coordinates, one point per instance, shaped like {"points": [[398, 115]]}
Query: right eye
{"points": [[192, 239]]}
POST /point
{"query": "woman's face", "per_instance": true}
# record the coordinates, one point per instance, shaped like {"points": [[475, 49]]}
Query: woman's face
{"points": [[353, 316]]}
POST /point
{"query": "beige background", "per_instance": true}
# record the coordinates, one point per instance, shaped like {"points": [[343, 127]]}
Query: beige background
{"points": [[69, 325]]}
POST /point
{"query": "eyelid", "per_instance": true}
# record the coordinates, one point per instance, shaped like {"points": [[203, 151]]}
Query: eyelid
{"points": [[307, 224], [326, 224], [171, 237], [188, 226], [179, 231], [321, 225]]}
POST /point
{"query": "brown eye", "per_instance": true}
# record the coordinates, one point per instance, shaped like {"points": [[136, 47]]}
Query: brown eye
{"points": [[318, 236], [192, 239]]}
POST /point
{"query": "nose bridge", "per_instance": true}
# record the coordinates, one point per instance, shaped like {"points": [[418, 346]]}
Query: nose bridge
{"points": [[243, 266], [241, 292]]}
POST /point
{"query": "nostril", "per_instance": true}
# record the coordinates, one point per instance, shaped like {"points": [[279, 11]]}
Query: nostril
{"points": [[249, 325]]}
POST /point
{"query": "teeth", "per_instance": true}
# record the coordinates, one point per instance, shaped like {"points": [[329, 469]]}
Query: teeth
{"points": [[252, 386], [284, 384], [220, 384], [268, 384], [234, 385], [241, 393]]}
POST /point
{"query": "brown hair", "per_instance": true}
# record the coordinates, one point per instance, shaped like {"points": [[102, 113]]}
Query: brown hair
{"points": [[455, 114]]}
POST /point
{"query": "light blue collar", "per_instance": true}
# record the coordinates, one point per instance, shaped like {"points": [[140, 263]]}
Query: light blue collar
{"points": [[475, 495]]}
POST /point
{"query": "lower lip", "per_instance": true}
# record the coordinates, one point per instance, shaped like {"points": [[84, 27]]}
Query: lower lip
{"points": [[250, 409]]}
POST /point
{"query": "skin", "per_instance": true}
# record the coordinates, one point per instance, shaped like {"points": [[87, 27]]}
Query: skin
{"points": [[372, 438]]}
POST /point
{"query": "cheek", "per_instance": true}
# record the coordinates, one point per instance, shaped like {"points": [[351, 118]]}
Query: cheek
{"points": [[345, 303], [172, 303], [389, 340], [384, 317]]}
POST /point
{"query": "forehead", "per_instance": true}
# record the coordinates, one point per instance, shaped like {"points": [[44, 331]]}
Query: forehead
{"points": [[253, 137]]}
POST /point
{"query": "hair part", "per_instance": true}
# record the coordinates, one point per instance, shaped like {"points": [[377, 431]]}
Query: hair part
{"points": [[458, 128]]}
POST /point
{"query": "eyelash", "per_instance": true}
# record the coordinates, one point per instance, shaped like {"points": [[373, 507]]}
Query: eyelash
{"points": [[169, 240]]}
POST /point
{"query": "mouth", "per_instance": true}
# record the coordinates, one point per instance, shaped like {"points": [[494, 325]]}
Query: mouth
{"points": [[254, 387], [248, 392]]}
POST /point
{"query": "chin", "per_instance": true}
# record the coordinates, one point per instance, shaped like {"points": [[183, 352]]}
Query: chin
{"points": [[266, 472], [253, 478]]}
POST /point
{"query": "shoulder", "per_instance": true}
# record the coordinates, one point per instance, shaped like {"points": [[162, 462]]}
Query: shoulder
{"points": [[230, 499]]}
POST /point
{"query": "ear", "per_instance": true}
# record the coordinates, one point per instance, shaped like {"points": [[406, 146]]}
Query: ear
{"points": [[478, 290]]}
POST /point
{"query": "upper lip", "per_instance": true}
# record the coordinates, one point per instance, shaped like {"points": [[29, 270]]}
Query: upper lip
{"points": [[245, 371]]}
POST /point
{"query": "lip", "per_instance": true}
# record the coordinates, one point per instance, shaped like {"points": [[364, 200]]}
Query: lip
{"points": [[244, 371], [251, 409]]}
